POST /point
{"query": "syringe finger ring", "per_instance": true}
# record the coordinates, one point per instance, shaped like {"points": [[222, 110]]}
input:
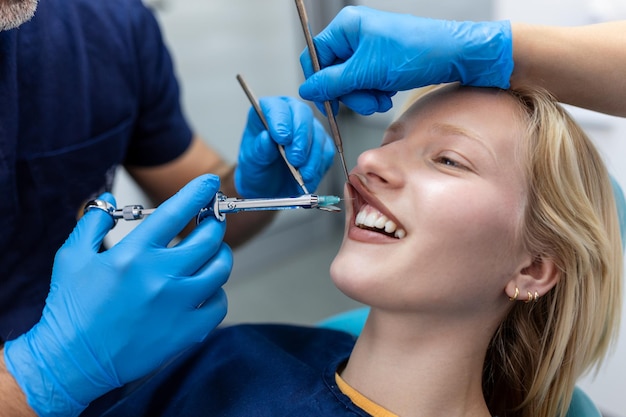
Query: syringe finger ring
{"points": [[131, 212], [100, 205]]}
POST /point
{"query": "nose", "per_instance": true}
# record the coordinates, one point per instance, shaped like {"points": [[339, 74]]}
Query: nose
{"points": [[381, 166]]}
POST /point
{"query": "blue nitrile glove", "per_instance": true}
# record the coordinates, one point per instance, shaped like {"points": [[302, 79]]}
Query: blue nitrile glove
{"points": [[115, 316], [368, 55], [261, 171]]}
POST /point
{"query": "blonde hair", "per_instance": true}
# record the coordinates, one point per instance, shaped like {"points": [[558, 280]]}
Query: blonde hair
{"points": [[541, 349]]}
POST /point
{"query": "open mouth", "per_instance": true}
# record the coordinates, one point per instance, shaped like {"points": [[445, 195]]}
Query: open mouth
{"points": [[371, 214], [378, 222]]}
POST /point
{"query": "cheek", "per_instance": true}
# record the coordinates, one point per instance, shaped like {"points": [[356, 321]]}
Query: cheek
{"points": [[475, 214], [479, 244], [480, 228]]}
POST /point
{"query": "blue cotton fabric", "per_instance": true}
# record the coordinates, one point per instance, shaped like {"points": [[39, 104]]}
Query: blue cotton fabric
{"points": [[85, 86], [244, 370]]}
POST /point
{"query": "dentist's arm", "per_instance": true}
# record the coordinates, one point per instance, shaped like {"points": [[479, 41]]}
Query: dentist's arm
{"points": [[114, 316], [368, 55], [12, 400], [584, 66]]}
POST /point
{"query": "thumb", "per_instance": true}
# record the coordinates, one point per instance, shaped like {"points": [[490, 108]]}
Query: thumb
{"points": [[91, 229], [328, 84]]}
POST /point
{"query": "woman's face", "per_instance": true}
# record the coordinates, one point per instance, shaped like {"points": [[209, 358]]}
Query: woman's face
{"points": [[448, 177]]}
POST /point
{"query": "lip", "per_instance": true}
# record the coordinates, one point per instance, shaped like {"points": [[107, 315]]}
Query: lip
{"points": [[361, 196]]}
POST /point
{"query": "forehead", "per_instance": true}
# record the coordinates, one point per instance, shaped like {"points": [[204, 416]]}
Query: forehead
{"points": [[493, 116], [492, 113]]}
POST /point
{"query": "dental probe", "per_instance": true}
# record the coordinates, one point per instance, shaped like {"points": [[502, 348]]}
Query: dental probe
{"points": [[332, 122], [255, 103], [221, 205]]}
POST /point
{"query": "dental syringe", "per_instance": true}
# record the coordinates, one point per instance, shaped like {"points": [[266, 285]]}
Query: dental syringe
{"points": [[221, 205]]}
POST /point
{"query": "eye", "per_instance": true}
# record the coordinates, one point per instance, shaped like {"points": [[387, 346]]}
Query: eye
{"points": [[444, 160]]}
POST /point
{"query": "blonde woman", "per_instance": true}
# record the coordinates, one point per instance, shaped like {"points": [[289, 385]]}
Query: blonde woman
{"points": [[484, 235]]}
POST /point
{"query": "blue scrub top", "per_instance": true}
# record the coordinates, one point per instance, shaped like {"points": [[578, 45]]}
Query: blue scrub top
{"points": [[85, 86]]}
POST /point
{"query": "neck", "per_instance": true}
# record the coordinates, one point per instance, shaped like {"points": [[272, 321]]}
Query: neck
{"points": [[418, 368]]}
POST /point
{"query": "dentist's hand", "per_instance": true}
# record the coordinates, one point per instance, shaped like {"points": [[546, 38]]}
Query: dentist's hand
{"points": [[115, 316], [261, 171], [368, 55]]}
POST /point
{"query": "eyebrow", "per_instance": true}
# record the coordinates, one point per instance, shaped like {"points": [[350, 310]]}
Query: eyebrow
{"points": [[449, 129], [394, 129]]}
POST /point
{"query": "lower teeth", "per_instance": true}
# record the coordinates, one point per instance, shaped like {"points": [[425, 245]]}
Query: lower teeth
{"points": [[374, 229]]}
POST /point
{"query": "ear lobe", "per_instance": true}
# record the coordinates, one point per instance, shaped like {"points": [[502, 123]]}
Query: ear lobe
{"points": [[539, 277]]}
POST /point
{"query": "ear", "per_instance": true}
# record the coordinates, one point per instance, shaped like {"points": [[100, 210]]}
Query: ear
{"points": [[536, 276]]}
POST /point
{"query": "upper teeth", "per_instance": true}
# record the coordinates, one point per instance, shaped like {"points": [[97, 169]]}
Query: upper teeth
{"points": [[377, 220]]}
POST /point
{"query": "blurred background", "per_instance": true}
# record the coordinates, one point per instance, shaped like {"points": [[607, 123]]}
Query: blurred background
{"points": [[282, 275]]}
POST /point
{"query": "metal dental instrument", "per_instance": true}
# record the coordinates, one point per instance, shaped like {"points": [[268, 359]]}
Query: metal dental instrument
{"points": [[255, 103], [222, 205], [131, 212], [332, 122]]}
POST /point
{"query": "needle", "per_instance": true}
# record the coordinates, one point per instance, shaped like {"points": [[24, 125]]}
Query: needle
{"points": [[255, 103], [332, 122]]}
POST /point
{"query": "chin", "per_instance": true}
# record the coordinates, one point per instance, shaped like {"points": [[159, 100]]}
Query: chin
{"points": [[355, 277]]}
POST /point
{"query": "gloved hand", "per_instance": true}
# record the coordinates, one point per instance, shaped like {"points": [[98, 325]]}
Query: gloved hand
{"points": [[368, 55], [115, 316], [261, 171]]}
